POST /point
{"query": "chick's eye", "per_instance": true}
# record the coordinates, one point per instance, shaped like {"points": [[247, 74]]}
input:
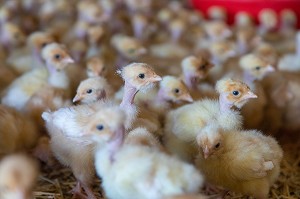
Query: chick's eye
{"points": [[235, 93], [100, 127], [217, 145], [257, 67], [176, 90], [89, 91], [202, 67], [142, 75], [57, 56], [43, 45]]}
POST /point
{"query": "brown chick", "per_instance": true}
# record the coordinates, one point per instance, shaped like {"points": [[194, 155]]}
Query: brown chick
{"points": [[18, 131], [18, 176], [246, 162]]}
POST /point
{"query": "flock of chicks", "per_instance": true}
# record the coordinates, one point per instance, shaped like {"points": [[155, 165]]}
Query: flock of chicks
{"points": [[160, 142]]}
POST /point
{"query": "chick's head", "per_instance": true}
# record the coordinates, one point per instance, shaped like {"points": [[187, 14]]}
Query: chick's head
{"points": [[268, 18], [129, 47], [18, 175], [107, 124], [139, 75], [210, 141], [235, 92], [218, 30], [255, 66], [198, 67], [12, 34], [222, 50], [38, 40], [91, 90], [95, 33], [95, 67], [56, 55], [175, 90]]}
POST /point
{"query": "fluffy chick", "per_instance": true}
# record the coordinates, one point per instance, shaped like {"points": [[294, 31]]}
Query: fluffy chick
{"points": [[148, 174], [18, 176], [11, 36], [255, 69], [128, 47], [66, 125], [18, 131], [182, 124], [246, 162], [92, 90], [25, 86]]}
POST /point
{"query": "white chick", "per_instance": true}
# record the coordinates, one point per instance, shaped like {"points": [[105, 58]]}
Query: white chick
{"points": [[92, 90], [25, 86], [291, 62], [217, 13], [246, 162], [18, 131], [255, 69], [268, 21], [18, 176], [182, 124], [217, 30], [66, 125], [149, 173]]}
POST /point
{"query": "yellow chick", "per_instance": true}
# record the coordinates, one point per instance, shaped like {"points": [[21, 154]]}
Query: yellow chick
{"points": [[18, 176], [25, 59], [18, 131], [255, 69], [182, 124], [92, 90], [149, 173], [246, 162], [128, 47]]}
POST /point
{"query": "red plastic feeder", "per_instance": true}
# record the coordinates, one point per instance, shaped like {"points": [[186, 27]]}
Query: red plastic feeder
{"points": [[253, 7]]}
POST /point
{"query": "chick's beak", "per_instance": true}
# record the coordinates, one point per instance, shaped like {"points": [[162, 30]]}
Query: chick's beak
{"points": [[77, 98], [205, 152], [186, 97], [250, 95], [155, 78], [270, 69], [68, 60]]}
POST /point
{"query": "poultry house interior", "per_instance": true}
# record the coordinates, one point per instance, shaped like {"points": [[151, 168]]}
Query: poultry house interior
{"points": [[149, 99]]}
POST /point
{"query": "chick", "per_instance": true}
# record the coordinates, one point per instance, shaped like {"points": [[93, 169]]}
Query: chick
{"points": [[18, 176], [128, 48], [246, 162], [288, 19], [148, 174], [268, 21], [243, 20], [182, 124], [290, 62], [220, 52], [18, 131], [92, 90], [194, 69], [139, 24], [28, 58], [217, 13], [25, 86], [95, 67], [11, 36], [66, 125], [177, 27], [255, 69], [217, 30]]}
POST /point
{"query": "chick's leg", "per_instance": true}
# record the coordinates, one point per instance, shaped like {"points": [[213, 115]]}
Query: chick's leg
{"points": [[89, 192], [77, 192]]}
